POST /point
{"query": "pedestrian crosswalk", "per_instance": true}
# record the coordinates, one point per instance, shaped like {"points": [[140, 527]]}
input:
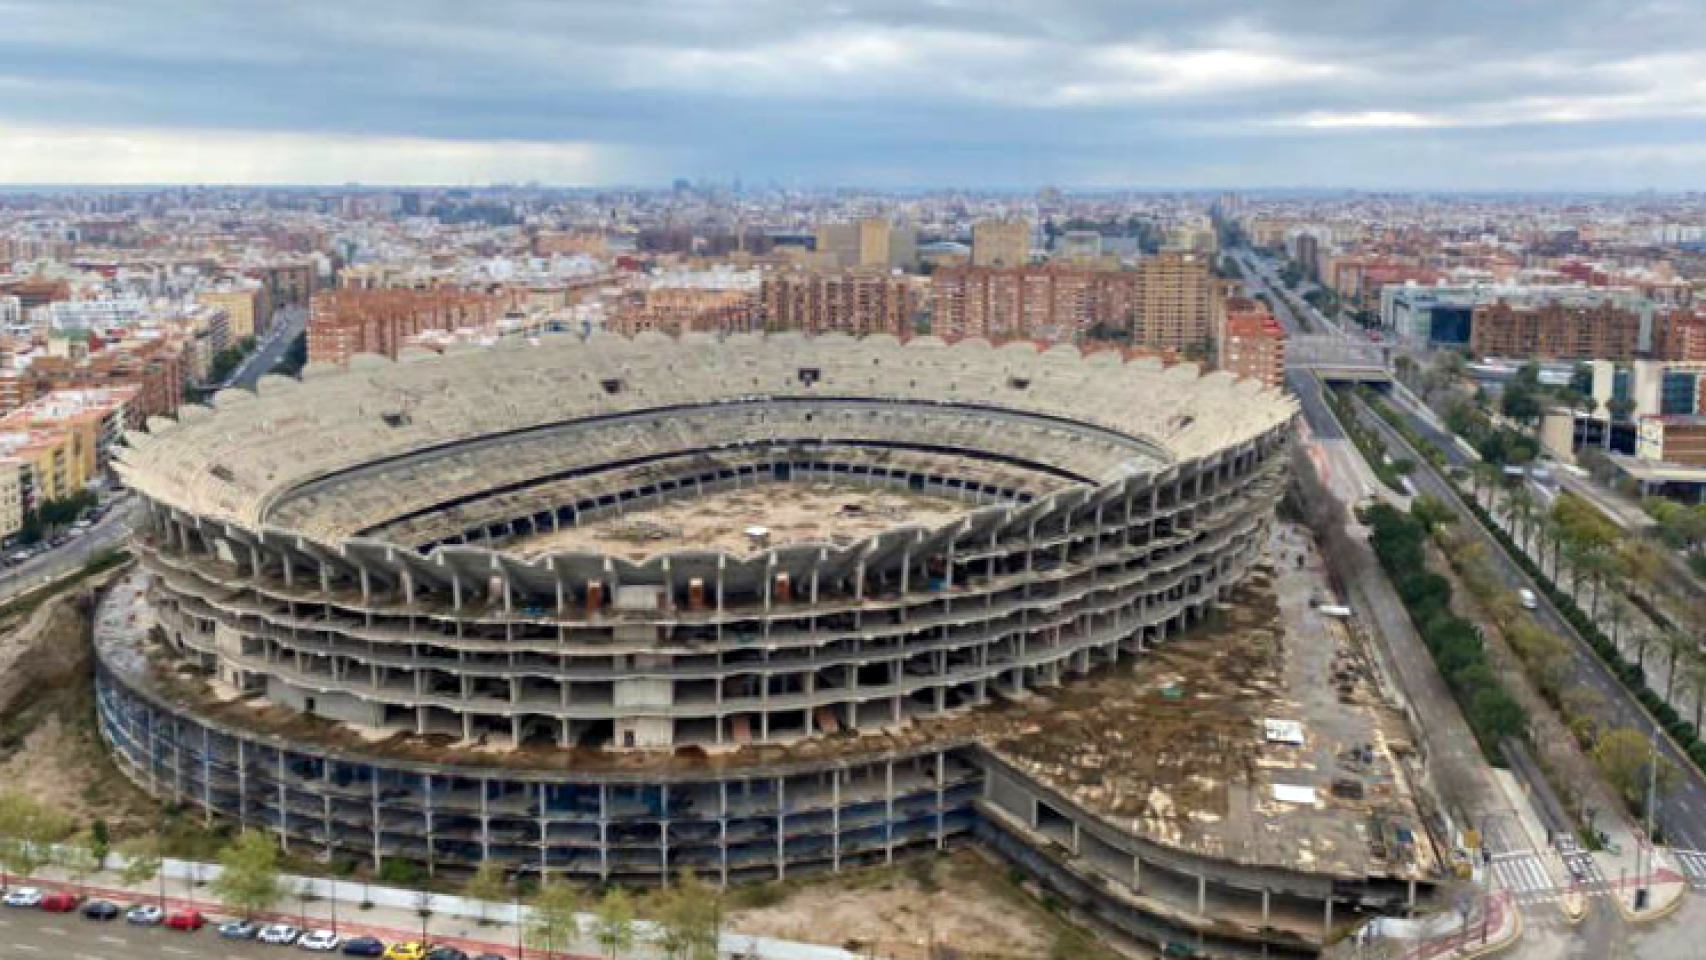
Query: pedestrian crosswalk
{"points": [[1693, 864], [1526, 877], [1523, 874]]}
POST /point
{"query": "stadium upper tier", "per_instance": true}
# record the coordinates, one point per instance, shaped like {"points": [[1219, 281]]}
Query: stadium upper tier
{"points": [[424, 450]]}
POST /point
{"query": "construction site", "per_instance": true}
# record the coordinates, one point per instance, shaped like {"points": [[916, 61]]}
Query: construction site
{"points": [[764, 607]]}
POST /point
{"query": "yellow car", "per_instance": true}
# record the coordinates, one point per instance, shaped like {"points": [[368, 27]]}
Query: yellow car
{"points": [[406, 951]]}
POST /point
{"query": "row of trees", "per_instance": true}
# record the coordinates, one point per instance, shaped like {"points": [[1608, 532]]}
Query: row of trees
{"points": [[50, 515], [686, 917], [226, 361], [686, 923], [1620, 754], [1398, 539]]}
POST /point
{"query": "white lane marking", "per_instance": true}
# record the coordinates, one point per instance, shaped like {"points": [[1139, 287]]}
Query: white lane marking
{"points": [[120, 941], [89, 956], [26, 947], [56, 931], [180, 951]]}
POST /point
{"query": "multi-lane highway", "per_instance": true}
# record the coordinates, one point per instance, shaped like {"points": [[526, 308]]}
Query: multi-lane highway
{"points": [[1682, 805], [270, 349]]}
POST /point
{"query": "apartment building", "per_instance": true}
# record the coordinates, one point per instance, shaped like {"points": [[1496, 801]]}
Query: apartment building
{"points": [[872, 243], [13, 478], [248, 309], [677, 310], [155, 367], [1556, 330], [852, 302], [343, 323], [1167, 302], [1001, 243], [1252, 343]]}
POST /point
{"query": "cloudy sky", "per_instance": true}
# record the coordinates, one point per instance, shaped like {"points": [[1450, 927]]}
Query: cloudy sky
{"points": [[1426, 94]]}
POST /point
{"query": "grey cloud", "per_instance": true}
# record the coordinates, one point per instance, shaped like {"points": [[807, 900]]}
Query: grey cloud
{"points": [[909, 92]]}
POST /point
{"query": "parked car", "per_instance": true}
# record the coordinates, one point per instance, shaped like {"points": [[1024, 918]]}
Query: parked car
{"points": [[407, 950], [60, 902], [321, 941], [364, 947], [238, 930], [187, 920], [279, 934], [146, 914], [24, 897], [446, 953], [491, 956], [1529, 601], [101, 910]]}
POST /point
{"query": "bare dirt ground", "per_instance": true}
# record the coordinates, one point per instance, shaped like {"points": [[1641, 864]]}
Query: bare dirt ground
{"points": [[788, 512], [964, 902], [49, 748]]}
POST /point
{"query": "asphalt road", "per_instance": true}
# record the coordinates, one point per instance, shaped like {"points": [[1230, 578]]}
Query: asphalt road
{"points": [[1682, 807], [37, 935], [270, 350], [111, 531]]}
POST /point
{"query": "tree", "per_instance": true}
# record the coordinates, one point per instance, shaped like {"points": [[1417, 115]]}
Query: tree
{"points": [[144, 860], [487, 884], [688, 916], [553, 922], [1431, 513], [79, 859], [613, 922], [248, 879], [1622, 756], [28, 830]]}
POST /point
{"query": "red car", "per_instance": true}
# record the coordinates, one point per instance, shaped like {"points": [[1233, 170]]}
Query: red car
{"points": [[185, 920], [59, 902]]}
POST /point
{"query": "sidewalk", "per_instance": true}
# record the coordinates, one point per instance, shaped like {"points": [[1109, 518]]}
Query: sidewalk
{"points": [[1627, 859], [1494, 925], [395, 914]]}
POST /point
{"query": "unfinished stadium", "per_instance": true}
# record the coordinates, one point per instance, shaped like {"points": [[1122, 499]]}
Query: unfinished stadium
{"points": [[608, 609]]}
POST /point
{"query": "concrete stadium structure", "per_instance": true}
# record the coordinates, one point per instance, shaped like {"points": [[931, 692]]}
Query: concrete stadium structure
{"points": [[371, 639]]}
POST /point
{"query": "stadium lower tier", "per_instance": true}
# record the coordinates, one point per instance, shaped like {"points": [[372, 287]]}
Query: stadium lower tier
{"points": [[755, 823]]}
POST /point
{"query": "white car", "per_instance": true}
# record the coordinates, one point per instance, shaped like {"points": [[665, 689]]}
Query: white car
{"points": [[324, 941], [281, 934], [24, 897], [146, 914]]}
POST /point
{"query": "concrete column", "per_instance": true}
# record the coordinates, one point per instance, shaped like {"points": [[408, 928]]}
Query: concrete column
{"points": [[1327, 922], [1202, 895], [1264, 907]]}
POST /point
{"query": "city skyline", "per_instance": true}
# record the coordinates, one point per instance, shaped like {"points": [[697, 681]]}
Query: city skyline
{"points": [[1449, 97]]}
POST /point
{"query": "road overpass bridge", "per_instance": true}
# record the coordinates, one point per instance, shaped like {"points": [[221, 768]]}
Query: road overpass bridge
{"points": [[1339, 359]]}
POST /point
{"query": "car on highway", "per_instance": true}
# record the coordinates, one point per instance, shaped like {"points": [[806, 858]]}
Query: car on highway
{"points": [[279, 934], [24, 897], [407, 950], [320, 941], [145, 914], [445, 953], [237, 930], [101, 910], [186, 920], [1528, 599], [60, 902], [364, 947], [491, 956]]}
